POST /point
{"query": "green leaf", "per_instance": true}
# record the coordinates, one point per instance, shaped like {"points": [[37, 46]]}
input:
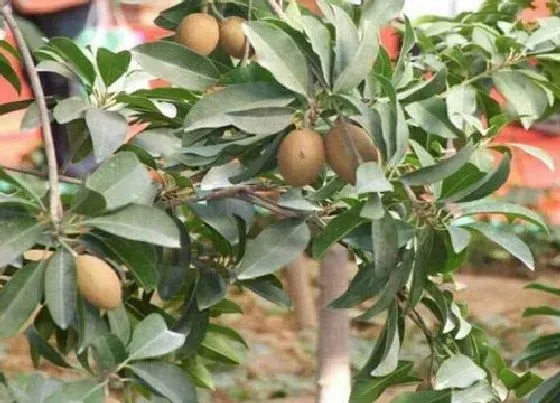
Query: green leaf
{"points": [[547, 32], [152, 339], [173, 277], [86, 391], [384, 233], [220, 347], [122, 180], [219, 108], [211, 288], [458, 371], [363, 286], [425, 89], [119, 323], [107, 130], [507, 240], [19, 233], [461, 102], [360, 63], [7, 107], [89, 325], [74, 55], [545, 288], [479, 392], [177, 64], [371, 178], [19, 298], [397, 280], [109, 351], [60, 288], [166, 379], [428, 396], [547, 392], [373, 209], [277, 52], [541, 310], [8, 72], [61, 68], [274, 248], [425, 243], [526, 97], [42, 348], [367, 389], [460, 238], [536, 152], [346, 40], [511, 210], [431, 115], [199, 373], [400, 77], [139, 223], [69, 109], [112, 65], [33, 186], [378, 12], [541, 349], [336, 229], [270, 288], [444, 168], [31, 119], [320, 38]]}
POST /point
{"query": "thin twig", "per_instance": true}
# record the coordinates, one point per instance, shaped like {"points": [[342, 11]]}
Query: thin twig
{"points": [[278, 10], [54, 186], [40, 174]]}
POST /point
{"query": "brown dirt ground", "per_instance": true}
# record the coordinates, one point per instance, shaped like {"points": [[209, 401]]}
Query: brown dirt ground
{"points": [[280, 352]]}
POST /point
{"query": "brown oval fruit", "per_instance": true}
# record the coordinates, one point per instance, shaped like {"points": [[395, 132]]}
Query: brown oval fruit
{"points": [[98, 283], [301, 157], [340, 155], [232, 37], [199, 32], [36, 255]]}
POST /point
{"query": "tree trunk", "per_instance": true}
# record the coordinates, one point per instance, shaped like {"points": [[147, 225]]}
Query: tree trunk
{"points": [[297, 277], [333, 378]]}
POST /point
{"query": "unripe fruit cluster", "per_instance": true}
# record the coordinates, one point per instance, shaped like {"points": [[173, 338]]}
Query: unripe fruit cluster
{"points": [[202, 33], [303, 152]]}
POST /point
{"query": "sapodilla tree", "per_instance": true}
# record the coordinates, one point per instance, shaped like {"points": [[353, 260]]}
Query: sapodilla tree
{"points": [[179, 243]]}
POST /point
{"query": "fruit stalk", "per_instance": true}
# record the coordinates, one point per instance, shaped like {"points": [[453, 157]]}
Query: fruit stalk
{"points": [[54, 186]]}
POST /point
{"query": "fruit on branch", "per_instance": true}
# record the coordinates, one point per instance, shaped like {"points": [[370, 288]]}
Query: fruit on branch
{"points": [[36, 255], [98, 283], [340, 154], [199, 32], [301, 157], [232, 37]]}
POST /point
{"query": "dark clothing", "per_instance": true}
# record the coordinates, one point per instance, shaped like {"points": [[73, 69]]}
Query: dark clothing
{"points": [[69, 22]]}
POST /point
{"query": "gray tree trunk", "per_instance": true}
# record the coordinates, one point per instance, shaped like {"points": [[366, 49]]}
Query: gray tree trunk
{"points": [[297, 277], [333, 377]]}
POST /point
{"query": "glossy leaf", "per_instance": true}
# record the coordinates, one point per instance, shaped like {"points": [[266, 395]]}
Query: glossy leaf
{"points": [[107, 130], [69, 109], [319, 36], [75, 57], [86, 391], [277, 52], [119, 323], [425, 243], [177, 64], [335, 230], [122, 180], [458, 371], [507, 240], [371, 178], [152, 339], [385, 245], [19, 298], [60, 287], [112, 65], [167, 379], [431, 115], [139, 223], [269, 288], [211, 288], [18, 234], [274, 248], [439, 171]]}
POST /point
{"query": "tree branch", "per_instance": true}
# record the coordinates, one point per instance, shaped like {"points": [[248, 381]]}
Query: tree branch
{"points": [[61, 178], [278, 10], [54, 187]]}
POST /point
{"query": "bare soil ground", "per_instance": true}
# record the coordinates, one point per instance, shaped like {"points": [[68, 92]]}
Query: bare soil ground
{"points": [[280, 364]]}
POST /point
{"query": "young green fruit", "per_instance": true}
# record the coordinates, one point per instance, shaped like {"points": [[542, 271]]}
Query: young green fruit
{"points": [[339, 152], [232, 37], [98, 283], [199, 32], [301, 157]]}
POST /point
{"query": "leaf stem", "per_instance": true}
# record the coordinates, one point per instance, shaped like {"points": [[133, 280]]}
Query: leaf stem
{"points": [[54, 186]]}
